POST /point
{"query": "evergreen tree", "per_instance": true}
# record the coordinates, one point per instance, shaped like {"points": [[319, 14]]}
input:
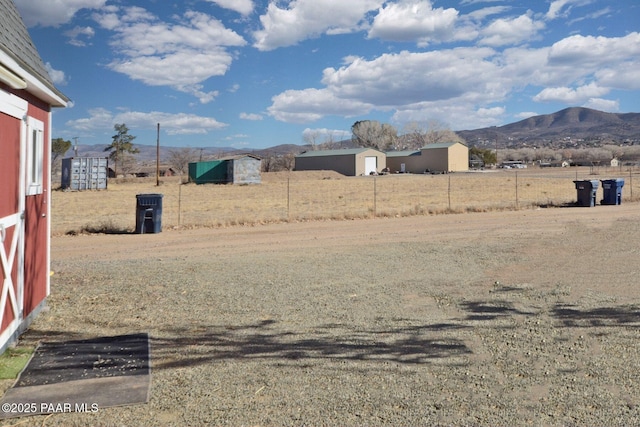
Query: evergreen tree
{"points": [[121, 146]]}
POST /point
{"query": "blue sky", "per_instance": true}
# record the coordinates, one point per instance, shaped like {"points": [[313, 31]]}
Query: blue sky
{"points": [[257, 73]]}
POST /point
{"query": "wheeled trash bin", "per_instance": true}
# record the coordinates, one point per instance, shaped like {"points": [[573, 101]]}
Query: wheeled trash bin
{"points": [[148, 213], [587, 192], [612, 191]]}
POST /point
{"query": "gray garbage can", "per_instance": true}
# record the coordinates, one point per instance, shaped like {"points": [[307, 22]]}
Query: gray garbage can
{"points": [[586, 192], [148, 213], [612, 191]]}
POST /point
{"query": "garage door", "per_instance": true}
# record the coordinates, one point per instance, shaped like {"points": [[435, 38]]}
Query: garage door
{"points": [[370, 164]]}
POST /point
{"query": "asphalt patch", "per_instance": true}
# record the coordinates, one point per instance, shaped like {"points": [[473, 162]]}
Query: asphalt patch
{"points": [[82, 376]]}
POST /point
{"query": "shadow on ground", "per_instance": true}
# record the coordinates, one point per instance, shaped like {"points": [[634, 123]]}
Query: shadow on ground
{"points": [[405, 343]]}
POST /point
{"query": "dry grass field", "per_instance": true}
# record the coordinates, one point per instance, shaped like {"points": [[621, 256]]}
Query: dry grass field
{"points": [[302, 196]]}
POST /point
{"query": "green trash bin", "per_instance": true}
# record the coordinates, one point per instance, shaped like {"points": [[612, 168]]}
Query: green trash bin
{"points": [[587, 192], [148, 213]]}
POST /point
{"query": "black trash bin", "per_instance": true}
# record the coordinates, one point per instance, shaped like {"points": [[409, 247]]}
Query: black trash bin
{"points": [[148, 213], [587, 192], [612, 189]]}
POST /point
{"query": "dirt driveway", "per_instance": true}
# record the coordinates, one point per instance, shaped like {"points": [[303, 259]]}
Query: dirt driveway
{"points": [[502, 318]]}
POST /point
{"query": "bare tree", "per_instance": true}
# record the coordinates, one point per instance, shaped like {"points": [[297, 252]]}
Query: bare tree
{"points": [[311, 137], [180, 159], [417, 136], [288, 161], [438, 132], [371, 133], [278, 162], [129, 164], [319, 139]]}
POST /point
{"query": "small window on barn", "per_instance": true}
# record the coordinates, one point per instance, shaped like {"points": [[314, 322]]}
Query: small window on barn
{"points": [[35, 156]]}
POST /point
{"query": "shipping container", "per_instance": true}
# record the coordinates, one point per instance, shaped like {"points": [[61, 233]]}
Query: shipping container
{"points": [[84, 173]]}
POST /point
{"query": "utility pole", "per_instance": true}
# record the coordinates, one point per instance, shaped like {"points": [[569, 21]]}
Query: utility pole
{"points": [[75, 147], [158, 158]]}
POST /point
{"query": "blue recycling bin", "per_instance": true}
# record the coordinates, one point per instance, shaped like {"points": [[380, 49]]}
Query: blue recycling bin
{"points": [[587, 192], [612, 191], [148, 213]]}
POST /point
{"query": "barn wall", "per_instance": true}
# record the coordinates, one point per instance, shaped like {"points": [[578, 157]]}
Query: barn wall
{"points": [[36, 263], [436, 159], [413, 163], [344, 164], [458, 158]]}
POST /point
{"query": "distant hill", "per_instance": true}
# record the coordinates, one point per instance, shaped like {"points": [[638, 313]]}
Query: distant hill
{"points": [[571, 127], [148, 152]]}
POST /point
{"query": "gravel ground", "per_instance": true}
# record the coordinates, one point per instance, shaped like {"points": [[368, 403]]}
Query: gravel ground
{"points": [[501, 318]]}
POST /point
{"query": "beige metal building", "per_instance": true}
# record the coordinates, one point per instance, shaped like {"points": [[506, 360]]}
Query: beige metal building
{"points": [[350, 162], [443, 157]]}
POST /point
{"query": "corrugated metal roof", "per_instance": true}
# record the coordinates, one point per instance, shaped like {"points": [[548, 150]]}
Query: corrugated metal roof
{"points": [[440, 145], [240, 156], [403, 153], [16, 42], [341, 152]]}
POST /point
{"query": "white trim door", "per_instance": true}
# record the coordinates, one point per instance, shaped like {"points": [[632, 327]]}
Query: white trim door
{"points": [[370, 164], [12, 229]]}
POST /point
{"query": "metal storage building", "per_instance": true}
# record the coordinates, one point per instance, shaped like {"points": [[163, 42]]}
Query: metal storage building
{"points": [[442, 157], [27, 97], [350, 162], [239, 169], [85, 173]]}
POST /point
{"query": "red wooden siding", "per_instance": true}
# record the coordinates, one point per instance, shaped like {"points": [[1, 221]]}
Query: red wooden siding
{"points": [[36, 249], [9, 171]]}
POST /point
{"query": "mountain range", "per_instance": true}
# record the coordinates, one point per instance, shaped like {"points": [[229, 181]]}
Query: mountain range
{"points": [[573, 127], [569, 128]]}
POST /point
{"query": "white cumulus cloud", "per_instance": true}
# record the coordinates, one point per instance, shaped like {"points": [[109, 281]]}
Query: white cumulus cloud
{"points": [[511, 31], [244, 7], [304, 106], [101, 119], [562, 8], [251, 116], [414, 20], [608, 105], [569, 95], [181, 55], [303, 19], [48, 13], [463, 86], [58, 77]]}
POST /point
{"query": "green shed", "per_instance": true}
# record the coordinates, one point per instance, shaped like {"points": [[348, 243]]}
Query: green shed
{"points": [[237, 169], [214, 172]]}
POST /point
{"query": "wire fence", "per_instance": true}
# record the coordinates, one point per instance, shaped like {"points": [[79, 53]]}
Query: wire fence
{"points": [[326, 195], [295, 199]]}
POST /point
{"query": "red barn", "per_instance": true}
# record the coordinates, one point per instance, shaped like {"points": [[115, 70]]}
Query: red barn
{"points": [[27, 96]]}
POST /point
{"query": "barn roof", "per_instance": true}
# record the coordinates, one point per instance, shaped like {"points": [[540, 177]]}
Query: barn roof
{"points": [[17, 48], [339, 152]]}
